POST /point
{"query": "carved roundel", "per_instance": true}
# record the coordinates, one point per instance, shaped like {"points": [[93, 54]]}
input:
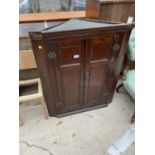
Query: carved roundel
{"points": [[116, 47]]}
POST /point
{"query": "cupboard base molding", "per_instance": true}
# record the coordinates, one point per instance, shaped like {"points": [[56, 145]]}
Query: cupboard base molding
{"points": [[82, 110]]}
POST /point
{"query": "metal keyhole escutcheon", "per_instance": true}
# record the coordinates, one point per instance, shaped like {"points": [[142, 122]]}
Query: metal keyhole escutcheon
{"points": [[51, 55]]}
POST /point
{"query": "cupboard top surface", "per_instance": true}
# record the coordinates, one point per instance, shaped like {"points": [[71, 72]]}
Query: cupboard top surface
{"points": [[78, 27], [25, 28], [74, 24]]}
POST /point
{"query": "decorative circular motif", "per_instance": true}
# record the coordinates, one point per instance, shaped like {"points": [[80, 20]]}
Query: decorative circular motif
{"points": [[116, 47]]}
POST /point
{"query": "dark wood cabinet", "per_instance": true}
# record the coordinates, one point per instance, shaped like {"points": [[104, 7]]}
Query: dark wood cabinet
{"points": [[79, 62], [110, 10]]}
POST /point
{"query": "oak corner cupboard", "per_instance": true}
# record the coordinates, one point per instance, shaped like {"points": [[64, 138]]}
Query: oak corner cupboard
{"points": [[79, 62]]}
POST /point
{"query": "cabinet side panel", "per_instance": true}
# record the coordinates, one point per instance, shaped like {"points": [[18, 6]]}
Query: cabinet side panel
{"points": [[116, 64], [42, 62]]}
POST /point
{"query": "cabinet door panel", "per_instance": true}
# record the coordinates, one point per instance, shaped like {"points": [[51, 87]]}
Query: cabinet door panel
{"points": [[96, 83], [100, 58], [97, 53], [69, 64], [71, 85], [69, 55]]}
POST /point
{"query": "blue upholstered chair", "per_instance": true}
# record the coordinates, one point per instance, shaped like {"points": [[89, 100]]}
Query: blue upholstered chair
{"points": [[129, 75]]}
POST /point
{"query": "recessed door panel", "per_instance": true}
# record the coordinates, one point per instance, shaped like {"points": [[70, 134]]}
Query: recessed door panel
{"points": [[71, 86], [69, 54], [101, 51], [96, 83]]}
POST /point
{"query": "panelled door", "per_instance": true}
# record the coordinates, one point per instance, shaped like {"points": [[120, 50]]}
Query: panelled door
{"points": [[85, 71], [69, 70], [101, 54]]}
